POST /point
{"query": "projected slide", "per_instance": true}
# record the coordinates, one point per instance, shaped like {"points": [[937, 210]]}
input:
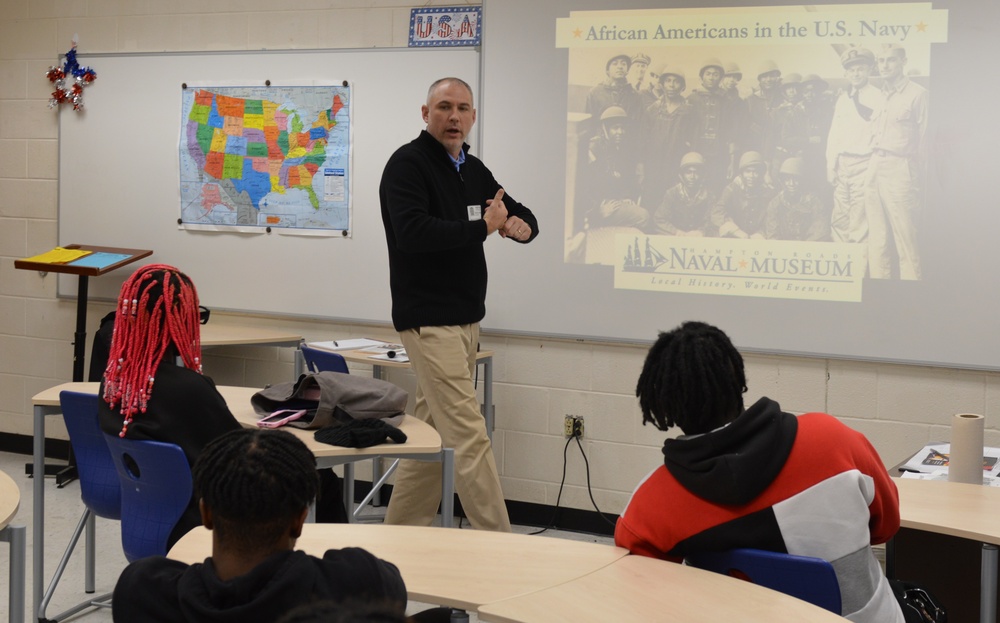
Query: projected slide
{"points": [[765, 152]]}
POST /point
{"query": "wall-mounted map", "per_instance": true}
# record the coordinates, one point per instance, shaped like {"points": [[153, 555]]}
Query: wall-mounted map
{"points": [[259, 157]]}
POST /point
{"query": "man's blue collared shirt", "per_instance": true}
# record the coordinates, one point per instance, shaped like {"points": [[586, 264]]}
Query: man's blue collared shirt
{"points": [[458, 162]]}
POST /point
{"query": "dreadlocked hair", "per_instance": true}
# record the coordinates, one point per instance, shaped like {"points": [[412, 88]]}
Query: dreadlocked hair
{"points": [[693, 377], [255, 482], [157, 314]]}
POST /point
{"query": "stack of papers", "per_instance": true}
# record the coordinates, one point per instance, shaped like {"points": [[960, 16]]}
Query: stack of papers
{"points": [[59, 255], [385, 348], [383, 351], [100, 259], [931, 463], [352, 344]]}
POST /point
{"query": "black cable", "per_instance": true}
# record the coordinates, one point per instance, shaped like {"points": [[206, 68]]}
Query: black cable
{"points": [[589, 492], [555, 511]]}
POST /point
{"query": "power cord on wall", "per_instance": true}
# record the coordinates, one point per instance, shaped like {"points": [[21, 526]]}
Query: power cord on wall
{"points": [[562, 482]]}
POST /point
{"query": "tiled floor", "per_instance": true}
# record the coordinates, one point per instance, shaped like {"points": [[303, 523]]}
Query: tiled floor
{"points": [[62, 512]]}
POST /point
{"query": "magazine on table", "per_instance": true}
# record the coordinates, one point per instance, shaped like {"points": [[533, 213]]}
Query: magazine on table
{"points": [[931, 463]]}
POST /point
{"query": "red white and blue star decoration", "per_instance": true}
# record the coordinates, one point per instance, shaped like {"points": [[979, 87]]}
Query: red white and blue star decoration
{"points": [[79, 78]]}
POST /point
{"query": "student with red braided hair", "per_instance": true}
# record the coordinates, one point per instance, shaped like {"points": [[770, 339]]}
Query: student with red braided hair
{"points": [[146, 393]]}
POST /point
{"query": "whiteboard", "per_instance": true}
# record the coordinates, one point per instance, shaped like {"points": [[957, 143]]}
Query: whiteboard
{"points": [[950, 317], [118, 177]]}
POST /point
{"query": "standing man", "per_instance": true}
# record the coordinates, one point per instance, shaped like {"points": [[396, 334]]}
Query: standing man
{"points": [[667, 133], [788, 125], [737, 108], [439, 205], [637, 70], [651, 91], [848, 148], [713, 134], [892, 198], [760, 106], [614, 90], [817, 111]]}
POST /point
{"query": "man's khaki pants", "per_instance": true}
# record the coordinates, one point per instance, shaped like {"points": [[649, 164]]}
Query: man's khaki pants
{"points": [[444, 359]]}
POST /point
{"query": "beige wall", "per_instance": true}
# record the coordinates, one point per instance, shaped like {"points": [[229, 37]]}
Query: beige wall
{"points": [[537, 381]]}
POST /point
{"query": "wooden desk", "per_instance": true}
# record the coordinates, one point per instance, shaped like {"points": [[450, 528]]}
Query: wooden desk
{"points": [[10, 501], [458, 568], [423, 443], [222, 334], [483, 358], [637, 588], [958, 510]]}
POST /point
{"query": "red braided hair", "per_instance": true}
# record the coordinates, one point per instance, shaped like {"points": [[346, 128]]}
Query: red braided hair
{"points": [[157, 309]]}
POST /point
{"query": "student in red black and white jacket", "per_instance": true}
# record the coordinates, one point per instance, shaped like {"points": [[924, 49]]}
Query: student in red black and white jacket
{"points": [[759, 477]]}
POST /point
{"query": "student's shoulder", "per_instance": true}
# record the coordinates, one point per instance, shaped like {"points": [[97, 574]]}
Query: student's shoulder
{"points": [[183, 379], [151, 572], [358, 571], [823, 426], [347, 556]]}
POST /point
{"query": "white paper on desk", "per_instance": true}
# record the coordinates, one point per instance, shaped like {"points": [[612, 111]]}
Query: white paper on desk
{"points": [[383, 348], [400, 357], [352, 344], [942, 475], [924, 461]]}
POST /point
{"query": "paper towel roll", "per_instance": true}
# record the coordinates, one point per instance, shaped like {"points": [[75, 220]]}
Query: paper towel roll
{"points": [[965, 463]]}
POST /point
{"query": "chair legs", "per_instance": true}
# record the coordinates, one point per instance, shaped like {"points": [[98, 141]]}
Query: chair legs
{"points": [[376, 488], [15, 535], [86, 525]]}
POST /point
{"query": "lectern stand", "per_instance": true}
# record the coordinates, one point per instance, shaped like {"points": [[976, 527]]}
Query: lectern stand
{"points": [[66, 474]]}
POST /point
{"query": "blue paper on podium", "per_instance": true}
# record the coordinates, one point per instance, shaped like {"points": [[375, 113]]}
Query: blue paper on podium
{"points": [[100, 260]]}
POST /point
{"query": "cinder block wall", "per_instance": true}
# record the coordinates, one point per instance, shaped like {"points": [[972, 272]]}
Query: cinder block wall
{"points": [[537, 381]]}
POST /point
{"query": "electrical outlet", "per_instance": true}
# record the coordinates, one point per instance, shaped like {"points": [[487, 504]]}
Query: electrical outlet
{"points": [[573, 426]]}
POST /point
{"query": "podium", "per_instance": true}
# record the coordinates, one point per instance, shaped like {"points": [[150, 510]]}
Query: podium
{"points": [[84, 271]]}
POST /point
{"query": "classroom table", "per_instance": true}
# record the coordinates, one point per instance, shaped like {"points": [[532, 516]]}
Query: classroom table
{"points": [[959, 510], [10, 501], [638, 588], [423, 443], [462, 569], [215, 333]]}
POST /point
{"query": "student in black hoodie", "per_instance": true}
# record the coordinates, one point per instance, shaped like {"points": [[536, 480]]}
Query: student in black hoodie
{"points": [[254, 487], [756, 476]]}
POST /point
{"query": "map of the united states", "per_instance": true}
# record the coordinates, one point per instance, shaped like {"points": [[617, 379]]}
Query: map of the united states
{"points": [[253, 159]]}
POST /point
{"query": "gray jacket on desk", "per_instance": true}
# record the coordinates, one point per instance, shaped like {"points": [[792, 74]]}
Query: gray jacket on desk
{"points": [[336, 397]]}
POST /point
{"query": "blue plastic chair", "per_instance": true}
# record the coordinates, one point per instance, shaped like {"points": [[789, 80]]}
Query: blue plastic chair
{"points": [[156, 488], [803, 577], [318, 360], [99, 490]]}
